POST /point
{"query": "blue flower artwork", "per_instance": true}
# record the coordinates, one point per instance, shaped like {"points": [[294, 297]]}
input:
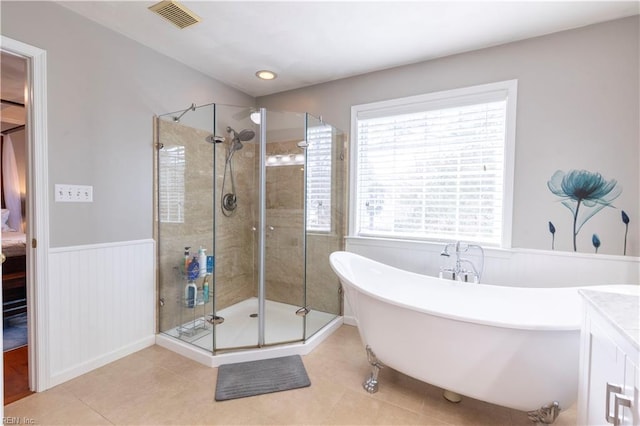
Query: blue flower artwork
{"points": [[625, 220], [595, 240], [584, 193]]}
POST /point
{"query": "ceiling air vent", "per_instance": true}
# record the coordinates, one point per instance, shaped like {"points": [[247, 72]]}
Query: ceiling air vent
{"points": [[175, 13]]}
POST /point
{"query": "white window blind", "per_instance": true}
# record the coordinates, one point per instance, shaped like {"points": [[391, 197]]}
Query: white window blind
{"points": [[433, 170], [171, 184], [318, 166]]}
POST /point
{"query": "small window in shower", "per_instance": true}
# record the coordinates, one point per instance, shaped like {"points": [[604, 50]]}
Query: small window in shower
{"points": [[319, 178], [171, 184]]}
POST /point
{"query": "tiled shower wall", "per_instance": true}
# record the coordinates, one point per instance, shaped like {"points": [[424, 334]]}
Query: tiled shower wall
{"points": [[234, 251], [285, 258]]}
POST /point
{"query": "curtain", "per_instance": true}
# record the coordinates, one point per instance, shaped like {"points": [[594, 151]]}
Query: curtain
{"points": [[11, 184]]}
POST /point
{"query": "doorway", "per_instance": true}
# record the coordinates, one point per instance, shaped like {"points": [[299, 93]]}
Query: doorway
{"points": [[37, 223], [13, 195]]}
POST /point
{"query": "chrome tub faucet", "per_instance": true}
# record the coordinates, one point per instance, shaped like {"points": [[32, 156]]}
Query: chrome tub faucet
{"points": [[463, 268]]}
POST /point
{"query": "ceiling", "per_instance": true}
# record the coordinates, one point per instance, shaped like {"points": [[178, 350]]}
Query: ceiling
{"points": [[310, 42]]}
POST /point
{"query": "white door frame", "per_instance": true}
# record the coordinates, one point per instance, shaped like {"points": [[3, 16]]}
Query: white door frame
{"points": [[37, 219]]}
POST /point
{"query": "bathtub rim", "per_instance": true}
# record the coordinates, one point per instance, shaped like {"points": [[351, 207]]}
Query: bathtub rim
{"points": [[575, 325]]}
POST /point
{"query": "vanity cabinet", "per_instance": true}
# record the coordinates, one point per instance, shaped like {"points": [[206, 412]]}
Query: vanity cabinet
{"points": [[609, 360]]}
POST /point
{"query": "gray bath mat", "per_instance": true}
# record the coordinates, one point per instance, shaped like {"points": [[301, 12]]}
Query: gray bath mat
{"points": [[259, 377]]}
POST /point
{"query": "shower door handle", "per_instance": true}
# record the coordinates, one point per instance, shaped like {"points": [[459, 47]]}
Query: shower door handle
{"points": [[302, 312]]}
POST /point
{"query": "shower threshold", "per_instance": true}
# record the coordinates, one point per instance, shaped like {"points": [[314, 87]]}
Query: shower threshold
{"points": [[240, 329]]}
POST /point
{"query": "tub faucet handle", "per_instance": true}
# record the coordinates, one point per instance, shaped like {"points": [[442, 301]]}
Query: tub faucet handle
{"points": [[445, 250]]}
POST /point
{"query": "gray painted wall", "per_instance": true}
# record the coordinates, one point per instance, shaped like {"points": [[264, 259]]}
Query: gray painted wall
{"points": [[578, 108], [578, 99], [103, 91]]}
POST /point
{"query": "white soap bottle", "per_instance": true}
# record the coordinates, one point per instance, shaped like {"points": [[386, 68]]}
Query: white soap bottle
{"points": [[202, 260]]}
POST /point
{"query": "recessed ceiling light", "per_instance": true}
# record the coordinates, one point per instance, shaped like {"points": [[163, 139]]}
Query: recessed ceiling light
{"points": [[266, 75]]}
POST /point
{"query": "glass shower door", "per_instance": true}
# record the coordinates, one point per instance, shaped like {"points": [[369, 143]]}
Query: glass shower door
{"points": [[185, 180], [236, 212], [325, 220], [284, 242]]}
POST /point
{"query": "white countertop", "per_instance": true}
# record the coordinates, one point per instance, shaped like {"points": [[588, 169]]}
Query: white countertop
{"points": [[622, 310]]}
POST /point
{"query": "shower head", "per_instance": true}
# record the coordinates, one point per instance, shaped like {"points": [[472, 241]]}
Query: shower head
{"points": [[236, 143], [244, 135]]}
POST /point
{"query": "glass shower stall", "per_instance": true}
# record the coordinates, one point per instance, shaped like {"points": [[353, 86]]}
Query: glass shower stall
{"points": [[250, 203]]}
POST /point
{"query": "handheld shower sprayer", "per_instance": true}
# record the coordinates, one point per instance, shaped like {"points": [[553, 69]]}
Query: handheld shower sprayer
{"points": [[237, 139], [229, 200], [244, 135]]}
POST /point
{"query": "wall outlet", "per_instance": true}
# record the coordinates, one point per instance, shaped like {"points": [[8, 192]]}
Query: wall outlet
{"points": [[74, 193]]}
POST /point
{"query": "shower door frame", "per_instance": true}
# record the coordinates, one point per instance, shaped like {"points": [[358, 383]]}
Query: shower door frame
{"points": [[262, 247], [261, 229], [262, 221]]}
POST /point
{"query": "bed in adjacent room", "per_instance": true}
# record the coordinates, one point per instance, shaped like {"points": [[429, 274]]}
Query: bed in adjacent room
{"points": [[14, 290]]}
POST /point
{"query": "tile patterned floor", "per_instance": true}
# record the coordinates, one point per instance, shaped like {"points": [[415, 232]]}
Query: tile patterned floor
{"points": [[156, 386]]}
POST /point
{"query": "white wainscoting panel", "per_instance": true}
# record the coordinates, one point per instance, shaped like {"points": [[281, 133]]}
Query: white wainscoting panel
{"points": [[101, 305], [509, 267]]}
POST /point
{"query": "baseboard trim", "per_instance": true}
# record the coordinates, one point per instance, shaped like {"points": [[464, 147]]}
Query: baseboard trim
{"points": [[350, 320], [101, 361]]}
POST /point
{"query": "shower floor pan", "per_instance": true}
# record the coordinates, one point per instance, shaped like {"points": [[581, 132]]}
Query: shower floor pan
{"points": [[240, 329]]}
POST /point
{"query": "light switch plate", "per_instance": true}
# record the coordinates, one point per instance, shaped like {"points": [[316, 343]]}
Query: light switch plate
{"points": [[73, 193]]}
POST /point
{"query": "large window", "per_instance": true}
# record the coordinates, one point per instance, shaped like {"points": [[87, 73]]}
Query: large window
{"points": [[437, 166]]}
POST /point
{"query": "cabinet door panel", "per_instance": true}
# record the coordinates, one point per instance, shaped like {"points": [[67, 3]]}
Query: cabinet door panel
{"points": [[631, 415], [607, 367]]}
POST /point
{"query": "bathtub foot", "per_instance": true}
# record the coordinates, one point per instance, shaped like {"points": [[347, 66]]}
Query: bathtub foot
{"points": [[371, 383], [547, 414], [452, 396]]}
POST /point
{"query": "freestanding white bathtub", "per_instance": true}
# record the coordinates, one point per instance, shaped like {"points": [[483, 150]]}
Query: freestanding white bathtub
{"points": [[515, 347]]}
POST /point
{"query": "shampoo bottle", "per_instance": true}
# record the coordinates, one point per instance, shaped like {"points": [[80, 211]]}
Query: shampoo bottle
{"points": [[190, 293], [193, 270], [210, 262], [205, 289], [202, 260], [187, 260]]}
